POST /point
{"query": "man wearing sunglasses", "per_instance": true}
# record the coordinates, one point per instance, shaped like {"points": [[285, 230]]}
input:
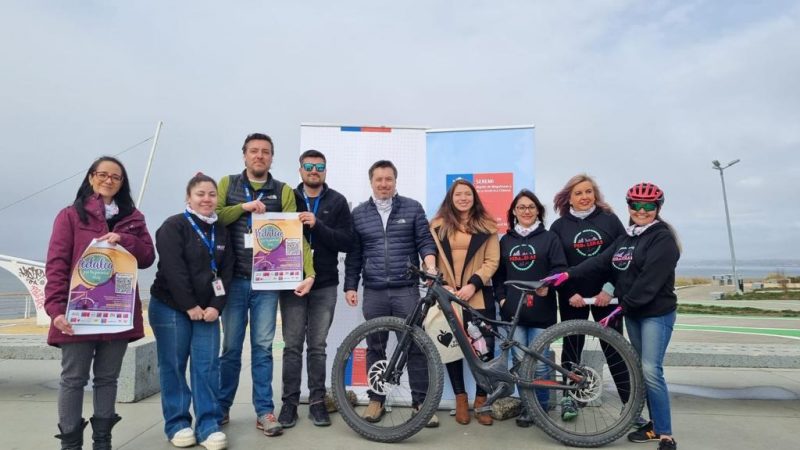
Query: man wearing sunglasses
{"points": [[328, 227]]}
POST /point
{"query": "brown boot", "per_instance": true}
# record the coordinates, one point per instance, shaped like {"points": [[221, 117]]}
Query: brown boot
{"points": [[483, 418], [462, 409]]}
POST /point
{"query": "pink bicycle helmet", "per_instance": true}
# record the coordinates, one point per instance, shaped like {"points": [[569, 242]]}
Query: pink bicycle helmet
{"points": [[645, 192]]}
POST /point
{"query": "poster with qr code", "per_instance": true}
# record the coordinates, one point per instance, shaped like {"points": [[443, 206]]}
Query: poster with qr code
{"points": [[102, 294], [277, 251]]}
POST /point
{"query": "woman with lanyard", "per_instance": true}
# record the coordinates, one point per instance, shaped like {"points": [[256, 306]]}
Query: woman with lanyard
{"points": [[469, 252], [641, 263], [195, 266], [103, 210], [528, 252], [587, 226]]}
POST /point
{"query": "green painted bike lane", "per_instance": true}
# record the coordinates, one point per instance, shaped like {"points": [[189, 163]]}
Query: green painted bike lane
{"points": [[781, 332]]}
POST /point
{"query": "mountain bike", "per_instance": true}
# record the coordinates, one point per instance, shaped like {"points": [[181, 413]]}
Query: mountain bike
{"points": [[383, 360]]}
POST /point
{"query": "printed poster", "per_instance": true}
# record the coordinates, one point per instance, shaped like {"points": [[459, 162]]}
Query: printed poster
{"points": [[277, 251], [102, 293]]}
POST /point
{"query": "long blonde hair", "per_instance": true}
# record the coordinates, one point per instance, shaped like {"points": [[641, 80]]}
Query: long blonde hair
{"points": [[561, 199]]}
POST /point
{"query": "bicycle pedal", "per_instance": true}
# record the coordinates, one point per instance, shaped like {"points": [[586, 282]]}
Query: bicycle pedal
{"points": [[483, 409]]}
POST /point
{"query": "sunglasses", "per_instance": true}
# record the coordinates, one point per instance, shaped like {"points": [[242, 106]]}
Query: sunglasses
{"points": [[308, 167], [647, 206]]}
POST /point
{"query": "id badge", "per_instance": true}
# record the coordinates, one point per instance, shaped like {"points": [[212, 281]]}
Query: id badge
{"points": [[219, 289], [248, 240]]}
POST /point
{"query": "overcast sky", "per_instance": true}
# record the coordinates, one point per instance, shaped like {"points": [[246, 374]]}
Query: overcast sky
{"points": [[624, 90]]}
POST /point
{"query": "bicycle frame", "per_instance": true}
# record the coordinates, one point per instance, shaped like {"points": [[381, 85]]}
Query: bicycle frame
{"points": [[493, 376]]}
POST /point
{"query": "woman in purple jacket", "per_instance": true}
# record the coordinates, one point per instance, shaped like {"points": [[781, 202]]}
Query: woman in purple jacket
{"points": [[103, 210]]}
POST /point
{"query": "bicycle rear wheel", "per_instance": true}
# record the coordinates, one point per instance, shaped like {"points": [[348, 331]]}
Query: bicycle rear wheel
{"points": [[611, 398], [409, 399]]}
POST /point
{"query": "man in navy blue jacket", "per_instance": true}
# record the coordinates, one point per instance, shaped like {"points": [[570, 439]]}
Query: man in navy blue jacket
{"points": [[390, 230]]}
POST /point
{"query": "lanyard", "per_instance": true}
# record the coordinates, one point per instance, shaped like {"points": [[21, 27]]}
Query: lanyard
{"points": [[249, 198], [209, 245], [308, 207]]}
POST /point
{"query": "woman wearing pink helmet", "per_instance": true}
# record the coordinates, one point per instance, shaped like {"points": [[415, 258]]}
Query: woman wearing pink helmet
{"points": [[641, 264]]}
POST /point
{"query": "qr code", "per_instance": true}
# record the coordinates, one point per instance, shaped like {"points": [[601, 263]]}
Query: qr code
{"points": [[123, 283], [293, 247]]}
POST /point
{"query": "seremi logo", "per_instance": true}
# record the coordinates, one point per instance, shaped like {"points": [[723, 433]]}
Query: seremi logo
{"points": [[522, 257], [95, 268], [622, 258], [587, 242], [269, 237]]}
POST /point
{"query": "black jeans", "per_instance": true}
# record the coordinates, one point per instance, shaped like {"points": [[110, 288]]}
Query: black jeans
{"points": [[397, 302], [306, 320], [573, 345], [455, 369]]}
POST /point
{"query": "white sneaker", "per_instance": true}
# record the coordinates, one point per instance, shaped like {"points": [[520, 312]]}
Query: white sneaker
{"points": [[215, 441], [184, 438]]}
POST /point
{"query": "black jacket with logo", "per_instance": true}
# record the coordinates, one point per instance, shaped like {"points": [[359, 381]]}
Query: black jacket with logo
{"points": [[642, 269], [582, 239], [332, 233], [184, 276], [528, 258]]}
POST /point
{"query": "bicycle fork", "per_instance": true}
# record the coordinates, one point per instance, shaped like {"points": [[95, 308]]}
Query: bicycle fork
{"points": [[400, 355]]}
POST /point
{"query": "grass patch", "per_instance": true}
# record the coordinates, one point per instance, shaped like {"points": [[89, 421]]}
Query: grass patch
{"points": [[692, 308], [691, 281], [765, 295]]}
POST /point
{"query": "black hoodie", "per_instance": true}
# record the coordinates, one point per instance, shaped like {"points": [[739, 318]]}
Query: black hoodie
{"points": [[582, 239], [642, 269], [528, 258], [332, 232]]}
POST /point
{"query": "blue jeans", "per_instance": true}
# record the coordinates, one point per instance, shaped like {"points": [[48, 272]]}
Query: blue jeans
{"points": [[262, 307], [650, 337], [526, 336], [306, 320], [178, 339], [397, 302]]}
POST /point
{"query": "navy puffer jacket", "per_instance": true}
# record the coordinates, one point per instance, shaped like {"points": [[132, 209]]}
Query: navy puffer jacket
{"points": [[380, 256]]}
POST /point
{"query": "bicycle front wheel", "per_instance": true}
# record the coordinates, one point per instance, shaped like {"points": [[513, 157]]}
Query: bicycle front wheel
{"points": [[609, 400], [409, 395]]}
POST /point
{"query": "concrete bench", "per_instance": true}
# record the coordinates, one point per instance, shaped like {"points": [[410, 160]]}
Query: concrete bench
{"points": [[771, 356], [138, 378]]}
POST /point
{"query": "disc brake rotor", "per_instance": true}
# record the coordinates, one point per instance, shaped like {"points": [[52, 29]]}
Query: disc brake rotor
{"points": [[593, 385], [376, 383]]}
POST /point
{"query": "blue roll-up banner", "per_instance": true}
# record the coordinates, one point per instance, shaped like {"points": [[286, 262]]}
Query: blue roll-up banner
{"points": [[497, 161]]}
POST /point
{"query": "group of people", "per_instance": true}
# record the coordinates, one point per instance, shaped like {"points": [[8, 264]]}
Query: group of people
{"points": [[205, 268]]}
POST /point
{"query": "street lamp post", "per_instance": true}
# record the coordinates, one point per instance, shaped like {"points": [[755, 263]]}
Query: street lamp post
{"points": [[718, 166]]}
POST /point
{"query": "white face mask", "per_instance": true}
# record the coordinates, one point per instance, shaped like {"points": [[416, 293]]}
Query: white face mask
{"points": [[524, 231], [582, 214], [207, 219], [636, 230]]}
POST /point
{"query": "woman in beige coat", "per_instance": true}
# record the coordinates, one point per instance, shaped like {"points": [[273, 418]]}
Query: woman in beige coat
{"points": [[469, 253]]}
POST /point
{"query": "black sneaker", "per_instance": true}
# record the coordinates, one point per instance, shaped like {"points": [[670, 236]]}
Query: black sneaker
{"points": [[524, 420], [318, 414], [644, 434], [288, 416], [667, 444]]}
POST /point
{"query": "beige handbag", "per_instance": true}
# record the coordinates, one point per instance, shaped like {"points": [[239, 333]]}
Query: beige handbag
{"points": [[435, 324]]}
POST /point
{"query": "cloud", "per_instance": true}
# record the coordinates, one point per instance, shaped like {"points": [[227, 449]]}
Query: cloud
{"points": [[623, 90]]}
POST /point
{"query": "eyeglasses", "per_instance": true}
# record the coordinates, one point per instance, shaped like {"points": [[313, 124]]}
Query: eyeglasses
{"points": [[647, 206], [523, 208], [308, 167], [103, 176]]}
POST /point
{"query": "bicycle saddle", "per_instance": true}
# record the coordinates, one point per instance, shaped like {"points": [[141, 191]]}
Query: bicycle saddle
{"points": [[524, 285]]}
